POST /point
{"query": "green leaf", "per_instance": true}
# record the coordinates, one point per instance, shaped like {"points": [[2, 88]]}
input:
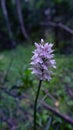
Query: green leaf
{"points": [[48, 124]]}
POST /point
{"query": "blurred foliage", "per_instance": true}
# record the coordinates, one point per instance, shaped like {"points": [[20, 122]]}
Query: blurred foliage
{"points": [[25, 81], [20, 83], [34, 12]]}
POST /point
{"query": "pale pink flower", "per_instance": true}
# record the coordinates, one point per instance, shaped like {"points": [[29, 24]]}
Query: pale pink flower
{"points": [[42, 61]]}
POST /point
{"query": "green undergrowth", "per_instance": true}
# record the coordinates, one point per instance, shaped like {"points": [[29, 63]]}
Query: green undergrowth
{"points": [[14, 61], [18, 62]]}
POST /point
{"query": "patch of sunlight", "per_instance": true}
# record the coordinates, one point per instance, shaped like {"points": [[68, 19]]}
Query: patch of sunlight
{"points": [[1, 57]]}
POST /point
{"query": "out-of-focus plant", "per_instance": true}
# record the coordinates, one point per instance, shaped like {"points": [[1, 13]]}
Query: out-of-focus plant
{"points": [[26, 80]]}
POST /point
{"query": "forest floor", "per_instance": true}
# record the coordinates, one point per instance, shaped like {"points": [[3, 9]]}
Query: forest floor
{"points": [[14, 72]]}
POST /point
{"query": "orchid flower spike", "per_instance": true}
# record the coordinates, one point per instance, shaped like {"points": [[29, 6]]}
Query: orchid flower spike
{"points": [[43, 61]]}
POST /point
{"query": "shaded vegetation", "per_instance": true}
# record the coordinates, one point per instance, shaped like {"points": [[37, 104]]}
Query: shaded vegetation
{"points": [[36, 19], [22, 86]]}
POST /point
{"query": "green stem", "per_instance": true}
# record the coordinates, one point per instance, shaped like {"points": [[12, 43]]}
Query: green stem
{"points": [[35, 103]]}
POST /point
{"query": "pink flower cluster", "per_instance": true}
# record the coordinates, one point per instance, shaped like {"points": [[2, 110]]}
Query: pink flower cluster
{"points": [[42, 61]]}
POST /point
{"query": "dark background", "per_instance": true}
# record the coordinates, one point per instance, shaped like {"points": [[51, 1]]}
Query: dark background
{"points": [[27, 20]]}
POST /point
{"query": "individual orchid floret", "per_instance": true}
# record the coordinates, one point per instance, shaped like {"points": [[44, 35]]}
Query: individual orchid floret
{"points": [[42, 61]]}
